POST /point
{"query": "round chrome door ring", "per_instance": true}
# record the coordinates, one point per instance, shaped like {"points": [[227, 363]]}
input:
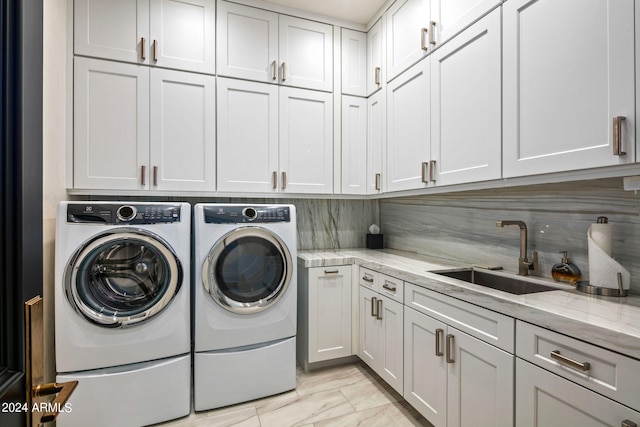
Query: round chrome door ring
{"points": [[211, 285], [113, 235]]}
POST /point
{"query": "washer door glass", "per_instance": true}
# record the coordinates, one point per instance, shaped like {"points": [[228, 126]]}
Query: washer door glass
{"points": [[247, 270], [123, 277]]}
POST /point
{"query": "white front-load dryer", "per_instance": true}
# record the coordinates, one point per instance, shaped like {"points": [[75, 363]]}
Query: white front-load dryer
{"points": [[245, 300], [122, 311]]}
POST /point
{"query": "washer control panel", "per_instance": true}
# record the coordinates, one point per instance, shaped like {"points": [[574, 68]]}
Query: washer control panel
{"points": [[239, 214], [119, 213]]}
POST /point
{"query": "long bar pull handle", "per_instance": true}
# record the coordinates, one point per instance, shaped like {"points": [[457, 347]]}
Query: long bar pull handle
{"points": [[574, 364], [155, 176], [274, 177], [423, 43], [377, 78], [450, 349], [432, 33], [425, 168], [274, 66], [155, 50], [379, 310], [143, 174], [617, 136], [432, 169], [142, 49], [378, 181], [373, 306], [439, 336], [63, 391], [284, 180], [284, 71]]}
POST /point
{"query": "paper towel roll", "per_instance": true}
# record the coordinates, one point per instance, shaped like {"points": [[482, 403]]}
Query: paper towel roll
{"points": [[603, 270]]}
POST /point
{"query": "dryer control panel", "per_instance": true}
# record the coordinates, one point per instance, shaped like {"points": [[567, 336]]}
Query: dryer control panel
{"points": [[240, 214], [119, 213]]}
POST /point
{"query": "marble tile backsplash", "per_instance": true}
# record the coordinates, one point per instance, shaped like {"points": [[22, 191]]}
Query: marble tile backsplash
{"points": [[462, 226]]}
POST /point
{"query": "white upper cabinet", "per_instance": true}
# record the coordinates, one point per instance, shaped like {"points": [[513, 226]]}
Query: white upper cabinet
{"points": [[408, 129], [247, 136], [164, 33], [568, 77], [456, 15], [306, 141], [376, 117], [264, 46], [354, 145], [182, 149], [409, 37], [466, 105], [354, 62], [375, 47], [247, 45]]}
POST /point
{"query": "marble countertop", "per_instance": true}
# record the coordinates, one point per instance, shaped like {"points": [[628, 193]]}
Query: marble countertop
{"points": [[612, 323]]}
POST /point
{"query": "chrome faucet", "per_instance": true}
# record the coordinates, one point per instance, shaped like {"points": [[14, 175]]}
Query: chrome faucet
{"points": [[524, 265]]}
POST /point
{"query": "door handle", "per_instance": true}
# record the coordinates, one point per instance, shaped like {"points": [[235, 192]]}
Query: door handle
{"points": [[284, 71], [155, 50], [566, 361], [155, 176], [379, 310], [425, 169], [450, 349], [439, 335], [617, 136], [275, 179], [143, 173], [274, 65], [374, 306], [284, 180], [432, 168], [432, 37], [378, 181], [423, 43], [377, 76], [142, 49]]}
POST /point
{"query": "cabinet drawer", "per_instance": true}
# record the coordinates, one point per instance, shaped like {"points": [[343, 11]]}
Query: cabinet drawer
{"points": [[369, 279], [486, 325], [391, 287], [603, 371]]}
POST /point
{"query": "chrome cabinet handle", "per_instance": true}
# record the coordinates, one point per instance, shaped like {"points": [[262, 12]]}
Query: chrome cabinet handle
{"points": [[617, 136], [379, 310], [366, 279], [378, 181], [373, 307], [155, 176], [432, 168], [155, 50], [432, 37], [450, 349], [425, 168], [564, 360], [142, 49], [284, 71], [377, 78], [274, 177], [439, 335], [389, 288], [143, 173], [284, 180], [274, 66], [423, 43]]}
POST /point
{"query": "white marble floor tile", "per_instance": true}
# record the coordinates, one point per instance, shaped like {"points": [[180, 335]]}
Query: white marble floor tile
{"points": [[328, 379], [367, 395], [307, 409], [389, 415]]}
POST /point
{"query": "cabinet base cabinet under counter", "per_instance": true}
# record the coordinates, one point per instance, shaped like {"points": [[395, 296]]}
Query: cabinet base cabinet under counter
{"points": [[324, 314]]}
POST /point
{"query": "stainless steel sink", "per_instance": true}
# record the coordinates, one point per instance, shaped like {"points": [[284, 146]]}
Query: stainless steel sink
{"points": [[511, 284]]}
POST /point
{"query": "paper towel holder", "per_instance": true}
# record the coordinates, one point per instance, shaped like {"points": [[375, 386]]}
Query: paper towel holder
{"points": [[605, 292]]}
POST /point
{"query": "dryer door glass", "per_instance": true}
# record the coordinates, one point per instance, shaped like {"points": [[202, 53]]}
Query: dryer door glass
{"points": [[248, 270], [123, 277]]}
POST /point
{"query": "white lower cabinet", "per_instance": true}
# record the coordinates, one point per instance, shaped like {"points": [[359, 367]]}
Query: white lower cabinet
{"points": [[454, 379], [324, 314]]}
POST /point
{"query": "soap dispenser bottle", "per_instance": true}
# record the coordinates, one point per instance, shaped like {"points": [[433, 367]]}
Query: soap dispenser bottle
{"points": [[566, 271]]}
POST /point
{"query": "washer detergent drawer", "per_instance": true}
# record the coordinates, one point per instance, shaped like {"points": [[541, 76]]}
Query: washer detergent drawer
{"points": [[131, 395], [222, 378]]}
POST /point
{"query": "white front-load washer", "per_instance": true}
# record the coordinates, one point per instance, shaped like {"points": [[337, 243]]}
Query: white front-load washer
{"points": [[244, 302], [122, 311]]}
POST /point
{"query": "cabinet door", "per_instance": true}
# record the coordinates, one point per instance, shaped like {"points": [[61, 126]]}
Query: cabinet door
{"points": [[375, 134], [456, 15], [354, 145], [306, 52], [425, 367], [110, 125], [329, 313], [375, 44], [247, 43], [408, 124], [247, 152], [369, 333], [182, 34], [182, 155], [391, 351], [112, 29], [408, 23], [466, 105], [480, 381], [306, 141], [545, 399], [354, 62], [564, 85]]}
